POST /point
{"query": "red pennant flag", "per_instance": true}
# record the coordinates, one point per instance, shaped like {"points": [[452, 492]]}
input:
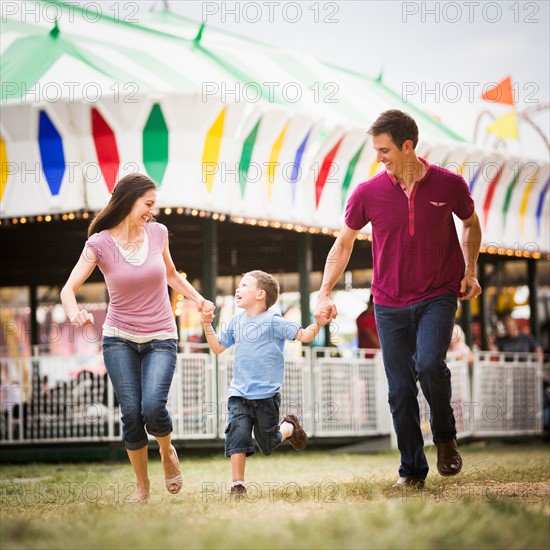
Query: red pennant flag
{"points": [[501, 93], [490, 193], [106, 149], [324, 171]]}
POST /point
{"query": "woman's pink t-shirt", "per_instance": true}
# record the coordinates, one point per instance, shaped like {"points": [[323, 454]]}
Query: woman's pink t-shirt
{"points": [[138, 297]]}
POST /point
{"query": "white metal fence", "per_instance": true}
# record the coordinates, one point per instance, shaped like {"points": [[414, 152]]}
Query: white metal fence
{"points": [[44, 398], [507, 394], [350, 393], [57, 399], [192, 402]]}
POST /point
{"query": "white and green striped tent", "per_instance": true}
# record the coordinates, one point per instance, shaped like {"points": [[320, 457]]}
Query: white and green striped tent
{"points": [[222, 123]]}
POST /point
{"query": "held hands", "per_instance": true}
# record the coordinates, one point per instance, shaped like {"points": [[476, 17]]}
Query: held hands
{"points": [[82, 318], [469, 287], [207, 317], [325, 316], [325, 311], [206, 309]]}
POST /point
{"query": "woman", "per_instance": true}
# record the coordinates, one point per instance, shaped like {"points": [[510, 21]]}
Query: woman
{"points": [[139, 334]]}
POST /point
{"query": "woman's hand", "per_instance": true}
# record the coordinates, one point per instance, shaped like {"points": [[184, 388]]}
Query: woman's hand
{"points": [[207, 317], [206, 309], [82, 318]]}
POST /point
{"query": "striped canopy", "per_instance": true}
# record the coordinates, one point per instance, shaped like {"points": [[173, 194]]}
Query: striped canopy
{"points": [[221, 123]]}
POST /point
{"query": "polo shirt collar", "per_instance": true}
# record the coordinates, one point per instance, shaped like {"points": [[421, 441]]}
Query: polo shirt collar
{"points": [[395, 181]]}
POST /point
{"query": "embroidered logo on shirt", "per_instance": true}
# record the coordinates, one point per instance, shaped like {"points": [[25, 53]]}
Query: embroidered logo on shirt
{"points": [[437, 203]]}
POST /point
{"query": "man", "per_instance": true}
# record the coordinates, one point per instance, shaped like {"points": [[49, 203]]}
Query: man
{"points": [[420, 269], [367, 334], [515, 341]]}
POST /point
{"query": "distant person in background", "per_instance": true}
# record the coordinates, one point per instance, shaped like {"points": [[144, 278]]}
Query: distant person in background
{"points": [[513, 340], [139, 334], [459, 345], [366, 328]]}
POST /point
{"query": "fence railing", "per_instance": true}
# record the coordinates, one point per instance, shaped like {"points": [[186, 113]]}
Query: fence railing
{"points": [[507, 394], [347, 393], [56, 399]]}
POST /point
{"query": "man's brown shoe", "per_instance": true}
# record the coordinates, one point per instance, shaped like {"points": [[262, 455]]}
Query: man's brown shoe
{"points": [[410, 481], [298, 439], [449, 462]]}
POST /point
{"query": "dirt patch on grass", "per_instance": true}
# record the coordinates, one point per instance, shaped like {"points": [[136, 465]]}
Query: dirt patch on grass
{"points": [[488, 491]]}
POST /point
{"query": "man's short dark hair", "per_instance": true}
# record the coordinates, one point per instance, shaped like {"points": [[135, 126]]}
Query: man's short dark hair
{"points": [[398, 125]]}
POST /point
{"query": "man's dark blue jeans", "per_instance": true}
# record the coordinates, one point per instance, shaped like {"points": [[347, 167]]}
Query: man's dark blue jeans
{"points": [[414, 341]]}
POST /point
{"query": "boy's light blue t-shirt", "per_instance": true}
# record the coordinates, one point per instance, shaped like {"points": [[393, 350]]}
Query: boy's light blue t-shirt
{"points": [[259, 367]]}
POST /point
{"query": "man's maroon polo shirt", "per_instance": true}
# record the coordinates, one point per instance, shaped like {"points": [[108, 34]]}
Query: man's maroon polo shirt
{"points": [[415, 247]]}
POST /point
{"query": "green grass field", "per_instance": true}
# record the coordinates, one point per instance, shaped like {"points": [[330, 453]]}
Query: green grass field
{"points": [[295, 500]]}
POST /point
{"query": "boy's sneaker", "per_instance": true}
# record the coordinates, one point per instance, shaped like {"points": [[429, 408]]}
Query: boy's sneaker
{"points": [[238, 492], [298, 439]]}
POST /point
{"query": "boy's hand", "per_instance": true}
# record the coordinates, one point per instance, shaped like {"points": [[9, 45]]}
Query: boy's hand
{"points": [[323, 316]]}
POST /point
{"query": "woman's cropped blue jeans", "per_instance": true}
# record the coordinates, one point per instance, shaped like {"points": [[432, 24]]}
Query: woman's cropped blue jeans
{"points": [[141, 375]]}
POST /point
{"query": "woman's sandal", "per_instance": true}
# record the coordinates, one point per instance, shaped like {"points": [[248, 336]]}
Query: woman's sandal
{"points": [[178, 480]]}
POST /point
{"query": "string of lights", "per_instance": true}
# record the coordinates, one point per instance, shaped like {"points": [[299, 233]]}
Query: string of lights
{"points": [[298, 228]]}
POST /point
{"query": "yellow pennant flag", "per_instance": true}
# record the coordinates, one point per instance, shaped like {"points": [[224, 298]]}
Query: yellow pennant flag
{"points": [[3, 168], [525, 200], [274, 161], [211, 151], [505, 127]]}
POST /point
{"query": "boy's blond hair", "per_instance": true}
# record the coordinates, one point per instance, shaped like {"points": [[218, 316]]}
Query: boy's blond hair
{"points": [[267, 283]]}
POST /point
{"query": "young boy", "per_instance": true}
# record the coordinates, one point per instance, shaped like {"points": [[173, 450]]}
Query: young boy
{"points": [[254, 395]]}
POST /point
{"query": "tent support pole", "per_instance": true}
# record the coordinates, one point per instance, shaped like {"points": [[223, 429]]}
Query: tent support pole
{"points": [[532, 282], [466, 321], [209, 258], [33, 302], [482, 278], [304, 269]]}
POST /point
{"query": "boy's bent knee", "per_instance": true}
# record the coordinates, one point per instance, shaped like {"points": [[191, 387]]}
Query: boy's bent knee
{"points": [[270, 441]]}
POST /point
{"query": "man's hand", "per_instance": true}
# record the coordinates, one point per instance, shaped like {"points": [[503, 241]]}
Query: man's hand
{"points": [[469, 287], [325, 311], [325, 317]]}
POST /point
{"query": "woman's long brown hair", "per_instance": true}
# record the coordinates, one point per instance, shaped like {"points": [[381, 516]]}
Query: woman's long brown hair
{"points": [[125, 194]]}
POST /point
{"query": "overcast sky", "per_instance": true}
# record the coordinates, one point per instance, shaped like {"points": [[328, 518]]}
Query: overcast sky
{"points": [[439, 55]]}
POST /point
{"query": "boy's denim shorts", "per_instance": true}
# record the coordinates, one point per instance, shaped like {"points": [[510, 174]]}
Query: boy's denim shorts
{"points": [[245, 415]]}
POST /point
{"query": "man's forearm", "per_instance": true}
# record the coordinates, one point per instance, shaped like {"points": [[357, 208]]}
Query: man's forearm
{"points": [[471, 243], [337, 261]]}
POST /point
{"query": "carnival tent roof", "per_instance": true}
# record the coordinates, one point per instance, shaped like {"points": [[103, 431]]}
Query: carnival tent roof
{"points": [[222, 123]]}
